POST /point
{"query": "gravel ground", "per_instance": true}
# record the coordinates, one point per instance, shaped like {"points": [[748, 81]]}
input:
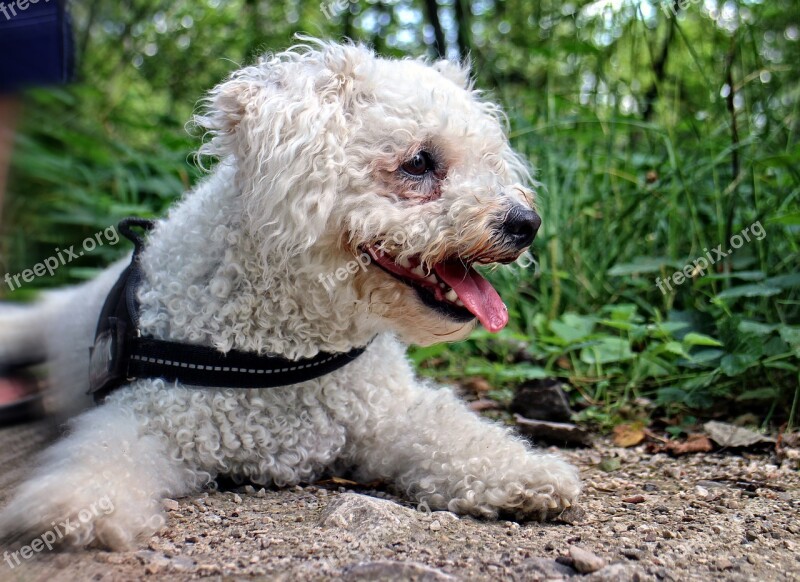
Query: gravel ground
{"points": [[644, 517]]}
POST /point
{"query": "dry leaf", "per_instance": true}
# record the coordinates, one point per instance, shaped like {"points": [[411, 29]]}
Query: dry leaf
{"points": [[789, 439], [728, 435], [628, 435], [694, 443], [477, 386], [341, 481], [650, 434], [483, 404], [610, 464], [564, 363]]}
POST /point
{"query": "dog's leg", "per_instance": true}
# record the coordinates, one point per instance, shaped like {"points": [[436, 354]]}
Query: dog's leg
{"points": [[102, 483], [433, 447]]}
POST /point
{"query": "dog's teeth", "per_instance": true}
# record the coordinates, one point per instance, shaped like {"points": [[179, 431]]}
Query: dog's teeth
{"points": [[459, 303], [451, 296], [418, 271], [404, 263]]}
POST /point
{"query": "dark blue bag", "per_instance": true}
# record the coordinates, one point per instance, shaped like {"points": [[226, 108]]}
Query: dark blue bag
{"points": [[36, 45]]}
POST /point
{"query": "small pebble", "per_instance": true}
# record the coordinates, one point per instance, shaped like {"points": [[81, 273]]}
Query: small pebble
{"points": [[724, 564], [632, 554], [585, 561]]}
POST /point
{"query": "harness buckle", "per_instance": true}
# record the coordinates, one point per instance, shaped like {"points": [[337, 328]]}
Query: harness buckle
{"points": [[107, 367]]}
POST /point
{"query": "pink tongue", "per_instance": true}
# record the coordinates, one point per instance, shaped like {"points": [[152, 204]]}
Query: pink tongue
{"points": [[476, 293]]}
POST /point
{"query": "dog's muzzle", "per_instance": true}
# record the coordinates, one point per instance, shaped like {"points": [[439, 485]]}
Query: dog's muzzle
{"points": [[519, 227]]}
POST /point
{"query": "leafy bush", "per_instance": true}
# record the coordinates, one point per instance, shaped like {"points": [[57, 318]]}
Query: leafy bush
{"points": [[657, 137]]}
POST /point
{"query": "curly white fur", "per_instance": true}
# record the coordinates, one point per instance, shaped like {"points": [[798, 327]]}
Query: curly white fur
{"points": [[309, 143]]}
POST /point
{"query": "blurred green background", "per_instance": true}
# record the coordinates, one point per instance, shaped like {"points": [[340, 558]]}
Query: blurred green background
{"points": [[658, 130]]}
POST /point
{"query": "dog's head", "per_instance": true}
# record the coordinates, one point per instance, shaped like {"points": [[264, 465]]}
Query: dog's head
{"points": [[394, 178]]}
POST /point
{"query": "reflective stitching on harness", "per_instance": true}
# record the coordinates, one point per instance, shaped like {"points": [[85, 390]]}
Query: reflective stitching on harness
{"points": [[146, 359]]}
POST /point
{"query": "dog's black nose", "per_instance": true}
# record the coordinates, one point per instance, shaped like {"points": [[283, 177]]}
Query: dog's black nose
{"points": [[520, 226]]}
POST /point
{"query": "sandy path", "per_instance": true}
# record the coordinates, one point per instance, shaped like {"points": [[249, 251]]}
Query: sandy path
{"points": [[701, 517]]}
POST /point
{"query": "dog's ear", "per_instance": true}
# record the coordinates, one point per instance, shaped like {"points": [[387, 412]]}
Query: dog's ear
{"points": [[283, 123], [224, 108], [455, 72]]}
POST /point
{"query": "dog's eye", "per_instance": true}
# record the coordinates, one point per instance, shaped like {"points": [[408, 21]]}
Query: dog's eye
{"points": [[419, 165]]}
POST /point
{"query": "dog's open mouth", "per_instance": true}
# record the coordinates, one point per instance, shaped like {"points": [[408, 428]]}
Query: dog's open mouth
{"points": [[452, 288]]}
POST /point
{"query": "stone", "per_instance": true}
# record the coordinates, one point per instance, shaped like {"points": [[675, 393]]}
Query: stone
{"points": [[445, 517], [181, 564], [209, 569], [585, 561], [368, 517], [724, 564], [543, 569], [392, 571], [558, 433], [542, 400], [617, 573], [571, 515], [632, 554]]}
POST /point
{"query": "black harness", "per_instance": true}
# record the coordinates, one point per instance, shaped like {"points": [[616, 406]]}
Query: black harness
{"points": [[120, 354]]}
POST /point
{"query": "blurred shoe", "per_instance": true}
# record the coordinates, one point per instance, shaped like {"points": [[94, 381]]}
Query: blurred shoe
{"points": [[20, 395]]}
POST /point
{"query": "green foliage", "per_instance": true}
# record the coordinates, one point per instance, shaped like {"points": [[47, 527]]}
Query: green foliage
{"points": [[656, 138]]}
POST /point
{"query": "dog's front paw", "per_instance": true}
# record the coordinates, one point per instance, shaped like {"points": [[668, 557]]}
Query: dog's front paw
{"points": [[66, 517], [541, 488]]}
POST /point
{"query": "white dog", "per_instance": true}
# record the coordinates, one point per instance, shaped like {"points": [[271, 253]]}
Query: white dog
{"points": [[352, 196]]}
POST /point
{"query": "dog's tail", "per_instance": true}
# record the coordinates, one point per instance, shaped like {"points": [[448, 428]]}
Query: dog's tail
{"points": [[23, 333]]}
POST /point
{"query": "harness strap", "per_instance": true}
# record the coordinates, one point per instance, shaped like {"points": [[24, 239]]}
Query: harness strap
{"points": [[120, 354]]}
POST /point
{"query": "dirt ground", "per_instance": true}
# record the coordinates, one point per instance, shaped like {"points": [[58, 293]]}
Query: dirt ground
{"points": [[644, 517]]}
